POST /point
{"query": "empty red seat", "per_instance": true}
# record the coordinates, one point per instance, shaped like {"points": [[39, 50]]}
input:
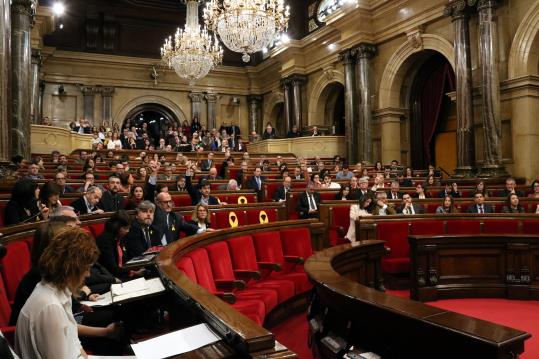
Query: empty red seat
{"points": [[340, 219], [297, 242], [185, 264], [258, 216], [269, 249], [243, 255], [14, 266], [500, 226], [463, 226], [425, 227], [395, 234], [181, 200], [96, 228], [229, 219]]}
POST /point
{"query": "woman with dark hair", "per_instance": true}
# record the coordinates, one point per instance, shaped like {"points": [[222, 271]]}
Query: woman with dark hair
{"points": [[201, 218], [344, 193], [136, 195], [512, 205], [378, 167], [358, 210], [110, 246], [126, 181], [23, 207], [88, 164], [49, 195], [535, 189], [480, 187], [448, 206]]}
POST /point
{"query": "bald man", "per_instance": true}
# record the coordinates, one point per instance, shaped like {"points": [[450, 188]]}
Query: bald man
{"points": [[169, 222]]}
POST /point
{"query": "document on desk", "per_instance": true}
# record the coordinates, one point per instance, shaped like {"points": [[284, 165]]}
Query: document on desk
{"points": [[102, 301], [136, 288], [175, 343]]}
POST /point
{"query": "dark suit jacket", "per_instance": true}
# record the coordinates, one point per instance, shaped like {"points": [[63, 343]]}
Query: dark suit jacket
{"points": [[68, 189], [135, 242], [303, 204], [453, 194], [111, 203], [108, 255], [176, 225], [487, 208], [390, 196], [505, 193], [205, 165], [251, 184], [509, 209], [406, 183], [418, 209], [79, 205], [291, 134], [280, 194], [195, 194], [360, 194]]}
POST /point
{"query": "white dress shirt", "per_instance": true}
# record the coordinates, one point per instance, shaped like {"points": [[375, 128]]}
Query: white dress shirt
{"points": [[355, 213], [46, 327]]}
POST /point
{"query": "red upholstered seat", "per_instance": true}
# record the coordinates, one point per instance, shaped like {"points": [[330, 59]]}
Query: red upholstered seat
{"points": [[269, 249], [96, 228], [427, 227], [431, 207], [181, 200], [496, 226], [14, 266], [225, 219], [235, 198], [463, 226], [396, 236], [530, 227], [222, 268], [270, 190], [243, 255], [258, 216], [185, 264], [297, 242], [327, 196], [340, 217]]}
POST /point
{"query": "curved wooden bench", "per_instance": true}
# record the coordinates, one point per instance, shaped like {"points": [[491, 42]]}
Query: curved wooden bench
{"points": [[394, 327]]}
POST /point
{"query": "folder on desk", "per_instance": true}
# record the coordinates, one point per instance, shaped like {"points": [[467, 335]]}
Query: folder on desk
{"points": [[128, 291]]}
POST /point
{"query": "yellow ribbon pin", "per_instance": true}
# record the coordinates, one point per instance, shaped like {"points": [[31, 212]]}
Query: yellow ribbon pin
{"points": [[233, 219], [242, 200], [263, 217]]}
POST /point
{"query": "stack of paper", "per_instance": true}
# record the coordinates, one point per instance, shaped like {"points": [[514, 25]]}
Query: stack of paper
{"points": [[132, 289]]}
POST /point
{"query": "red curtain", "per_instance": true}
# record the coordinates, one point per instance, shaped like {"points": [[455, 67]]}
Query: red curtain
{"points": [[436, 86]]}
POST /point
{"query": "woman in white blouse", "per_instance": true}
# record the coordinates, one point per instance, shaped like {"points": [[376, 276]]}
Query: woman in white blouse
{"points": [[356, 211], [46, 327], [201, 218], [114, 142]]}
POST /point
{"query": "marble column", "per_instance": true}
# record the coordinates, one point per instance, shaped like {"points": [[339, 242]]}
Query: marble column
{"points": [[106, 105], [365, 52], [297, 84], [5, 77], [21, 26], [490, 89], [348, 58], [196, 99], [88, 93], [211, 100], [254, 102], [35, 109], [458, 11], [286, 85]]}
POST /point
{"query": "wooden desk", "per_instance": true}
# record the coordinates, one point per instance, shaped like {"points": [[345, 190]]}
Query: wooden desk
{"points": [[323, 146], [457, 266], [396, 327]]}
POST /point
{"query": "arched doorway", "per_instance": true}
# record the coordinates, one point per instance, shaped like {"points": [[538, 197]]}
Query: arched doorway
{"points": [[158, 118], [330, 108], [432, 113], [277, 119]]}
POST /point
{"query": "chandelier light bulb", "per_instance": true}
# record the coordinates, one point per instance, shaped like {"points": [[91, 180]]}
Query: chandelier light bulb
{"points": [[246, 26]]}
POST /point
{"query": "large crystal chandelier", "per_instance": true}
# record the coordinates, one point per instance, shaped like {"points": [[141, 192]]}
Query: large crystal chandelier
{"points": [[193, 53], [246, 26]]}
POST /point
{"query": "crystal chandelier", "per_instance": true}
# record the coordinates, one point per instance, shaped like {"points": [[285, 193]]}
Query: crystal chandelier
{"points": [[193, 53], [246, 26]]}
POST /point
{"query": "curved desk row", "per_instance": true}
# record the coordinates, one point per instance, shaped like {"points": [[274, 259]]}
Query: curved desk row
{"points": [[391, 326]]}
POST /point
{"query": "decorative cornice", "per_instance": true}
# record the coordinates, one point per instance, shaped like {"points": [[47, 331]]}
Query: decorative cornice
{"points": [[483, 4], [348, 56], [414, 37], [196, 96], [366, 50], [22, 7], [107, 91], [457, 10], [211, 97]]}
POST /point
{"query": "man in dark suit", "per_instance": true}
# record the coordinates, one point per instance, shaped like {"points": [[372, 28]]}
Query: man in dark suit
{"points": [[293, 133], [60, 179], [142, 234], [309, 203], [208, 163], [404, 182], [281, 192], [510, 185], [255, 183], [87, 204], [298, 174], [408, 207], [170, 223], [480, 206], [200, 193], [112, 201], [364, 190], [394, 193]]}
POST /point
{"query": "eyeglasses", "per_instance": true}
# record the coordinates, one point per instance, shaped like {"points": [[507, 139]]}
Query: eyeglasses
{"points": [[167, 202]]}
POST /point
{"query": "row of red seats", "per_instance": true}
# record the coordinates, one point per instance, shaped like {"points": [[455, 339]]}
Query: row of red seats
{"points": [[395, 234], [260, 271]]}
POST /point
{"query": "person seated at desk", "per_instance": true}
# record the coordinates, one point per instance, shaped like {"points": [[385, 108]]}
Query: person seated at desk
{"points": [[170, 223], [269, 132], [480, 206], [408, 207], [201, 218], [315, 132], [88, 203], [280, 194], [328, 183], [309, 202], [112, 201], [344, 174], [142, 234], [448, 206], [394, 193], [136, 195], [201, 193], [512, 205], [383, 208], [344, 193], [420, 191], [22, 206], [293, 133], [358, 210], [208, 163], [404, 182], [450, 190], [510, 185]]}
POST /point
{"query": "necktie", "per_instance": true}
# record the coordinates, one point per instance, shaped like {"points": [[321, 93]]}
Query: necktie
{"points": [[394, 196], [481, 209], [146, 231], [257, 183], [311, 203]]}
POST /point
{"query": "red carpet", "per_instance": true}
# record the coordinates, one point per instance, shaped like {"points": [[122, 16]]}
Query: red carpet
{"points": [[518, 314]]}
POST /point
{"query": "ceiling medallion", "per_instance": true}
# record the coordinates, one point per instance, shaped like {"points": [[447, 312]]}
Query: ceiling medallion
{"points": [[194, 52], [247, 26]]}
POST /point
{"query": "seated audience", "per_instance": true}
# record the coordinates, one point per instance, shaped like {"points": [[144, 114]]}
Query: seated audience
{"points": [[309, 202], [420, 192], [200, 193], [22, 206], [451, 189], [60, 179], [481, 188], [281, 193], [293, 133], [510, 185], [394, 193], [112, 201], [512, 205], [328, 183], [344, 193], [136, 195], [358, 210], [49, 196], [535, 190], [404, 182], [180, 184], [89, 202], [364, 190], [269, 132], [33, 172], [201, 218], [408, 207], [89, 180], [345, 173], [479, 205], [170, 223], [383, 207], [448, 206], [142, 234]]}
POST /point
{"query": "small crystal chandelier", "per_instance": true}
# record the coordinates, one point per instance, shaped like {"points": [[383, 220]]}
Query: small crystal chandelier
{"points": [[246, 26], [194, 53]]}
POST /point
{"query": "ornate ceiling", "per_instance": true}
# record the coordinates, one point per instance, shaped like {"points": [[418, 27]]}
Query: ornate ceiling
{"points": [[138, 27]]}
